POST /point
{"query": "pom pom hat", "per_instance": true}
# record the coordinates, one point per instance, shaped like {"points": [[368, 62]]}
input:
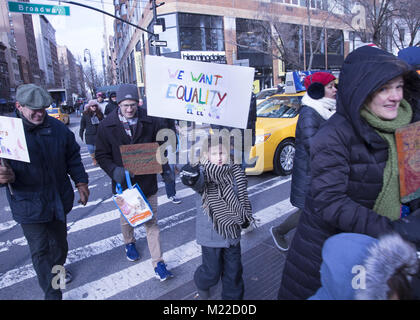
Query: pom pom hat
{"points": [[315, 83]]}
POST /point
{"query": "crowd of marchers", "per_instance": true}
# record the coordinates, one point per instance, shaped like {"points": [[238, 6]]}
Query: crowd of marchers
{"points": [[345, 184]]}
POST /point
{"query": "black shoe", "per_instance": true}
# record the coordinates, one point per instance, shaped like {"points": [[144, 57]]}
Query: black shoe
{"points": [[202, 294]]}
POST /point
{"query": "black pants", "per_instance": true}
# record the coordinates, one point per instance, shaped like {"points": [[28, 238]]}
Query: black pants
{"points": [[224, 264], [48, 245]]}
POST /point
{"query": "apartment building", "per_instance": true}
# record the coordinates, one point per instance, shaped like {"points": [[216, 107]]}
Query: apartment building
{"points": [[47, 51], [232, 32]]}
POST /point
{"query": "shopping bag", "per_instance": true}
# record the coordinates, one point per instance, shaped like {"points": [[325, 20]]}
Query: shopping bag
{"points": [[132, 203]]}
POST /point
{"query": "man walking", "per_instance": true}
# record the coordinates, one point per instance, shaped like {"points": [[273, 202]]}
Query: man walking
{"points": [[131, 125], [42, 194]]}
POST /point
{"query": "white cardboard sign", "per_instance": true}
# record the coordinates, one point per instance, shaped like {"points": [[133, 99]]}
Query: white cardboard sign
{"points": [[198, 91], [12, 139]]}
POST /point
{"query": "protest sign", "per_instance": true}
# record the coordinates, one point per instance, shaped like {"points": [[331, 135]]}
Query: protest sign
{"points": [[141, 158], [408, 147], [12, 140], [198, 91]]}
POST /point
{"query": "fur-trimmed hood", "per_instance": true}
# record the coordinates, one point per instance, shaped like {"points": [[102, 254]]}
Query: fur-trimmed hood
{"points": [[356, 266]]}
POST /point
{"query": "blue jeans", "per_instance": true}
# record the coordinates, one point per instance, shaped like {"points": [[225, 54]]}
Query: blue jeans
{"points": [[91, 148], [168, 176], [224, 264]]}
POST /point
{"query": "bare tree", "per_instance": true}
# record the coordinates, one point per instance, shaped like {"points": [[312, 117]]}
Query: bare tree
{"points": [[370, 20], [406, 23], [92, 78]]}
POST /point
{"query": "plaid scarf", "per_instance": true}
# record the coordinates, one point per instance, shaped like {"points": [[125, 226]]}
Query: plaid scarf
{"points": [[227, 210], [127, 123]]}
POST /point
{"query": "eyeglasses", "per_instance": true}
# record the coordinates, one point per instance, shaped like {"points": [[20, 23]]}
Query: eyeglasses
{"points": [[132, 105]]}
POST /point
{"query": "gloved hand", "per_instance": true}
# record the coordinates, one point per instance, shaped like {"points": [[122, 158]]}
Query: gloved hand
{"points": [[7, 175], [189, 174], [118, 175], [409, 227], [83, 192]]}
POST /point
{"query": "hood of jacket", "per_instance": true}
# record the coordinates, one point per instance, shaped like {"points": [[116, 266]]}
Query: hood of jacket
{"points": [[365, 70]]}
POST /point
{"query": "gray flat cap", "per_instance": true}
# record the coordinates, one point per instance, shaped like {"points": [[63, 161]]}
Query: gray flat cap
{"points": [[33, 97]]}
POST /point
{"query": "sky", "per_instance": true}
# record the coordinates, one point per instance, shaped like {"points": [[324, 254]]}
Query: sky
{"points": [[83, 29]]}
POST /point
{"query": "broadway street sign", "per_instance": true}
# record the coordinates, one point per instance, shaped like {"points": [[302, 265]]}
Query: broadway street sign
{"points": [[34, 8]]}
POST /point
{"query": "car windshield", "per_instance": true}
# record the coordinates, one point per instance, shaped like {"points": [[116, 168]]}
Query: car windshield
{"points": [[265, 94], [279, 107], [51, 110]]}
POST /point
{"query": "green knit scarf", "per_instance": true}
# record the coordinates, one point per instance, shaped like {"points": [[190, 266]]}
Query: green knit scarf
{"points": [[388, 203]]}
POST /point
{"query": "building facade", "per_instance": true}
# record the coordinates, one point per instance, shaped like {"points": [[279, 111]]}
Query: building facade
{"points": [[47, 51], [68, 71], [7, 38], [234, 32], [26, 48]]}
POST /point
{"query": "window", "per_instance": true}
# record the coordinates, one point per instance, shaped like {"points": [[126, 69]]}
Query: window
{"points": [[170, 35], [201, 32], [252, 35], [335, 42], [284, 107]]}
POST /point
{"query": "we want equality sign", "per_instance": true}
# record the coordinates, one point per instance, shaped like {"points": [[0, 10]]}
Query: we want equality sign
{"points": [[198, 91]]}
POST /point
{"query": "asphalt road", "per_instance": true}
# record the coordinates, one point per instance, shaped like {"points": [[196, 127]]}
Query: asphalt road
{"points": [[96, 251]]}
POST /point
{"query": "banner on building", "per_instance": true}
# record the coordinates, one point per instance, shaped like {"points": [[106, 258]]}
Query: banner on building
{"points": [[12, 140], [198, 91]]}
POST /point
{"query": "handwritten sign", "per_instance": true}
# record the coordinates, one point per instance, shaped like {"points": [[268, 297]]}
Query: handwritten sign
{"points": [[198, 91], [408, 147], [12, 139], [141, 158]]}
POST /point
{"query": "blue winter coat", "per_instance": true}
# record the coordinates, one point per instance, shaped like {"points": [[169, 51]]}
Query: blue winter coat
{"points": [[42, 190], [347, 163], [307, 126]]}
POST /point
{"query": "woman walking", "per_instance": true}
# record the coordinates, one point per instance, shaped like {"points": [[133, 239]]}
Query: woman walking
{"points": [[354, 169], [89, 123]]}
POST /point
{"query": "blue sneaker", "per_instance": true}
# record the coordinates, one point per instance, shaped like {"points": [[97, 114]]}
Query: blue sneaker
{"points": [[161, 272], [131, 251]]}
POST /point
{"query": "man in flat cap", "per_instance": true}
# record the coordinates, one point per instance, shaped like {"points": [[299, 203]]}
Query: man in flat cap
{"points": [[42, 194], [130, 124]]}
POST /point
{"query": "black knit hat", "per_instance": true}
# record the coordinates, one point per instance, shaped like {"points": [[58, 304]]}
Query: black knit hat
{"points": [[127, 92]]}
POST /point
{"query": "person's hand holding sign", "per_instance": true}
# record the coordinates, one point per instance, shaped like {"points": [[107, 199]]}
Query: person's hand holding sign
{"points": [[6, 173]]}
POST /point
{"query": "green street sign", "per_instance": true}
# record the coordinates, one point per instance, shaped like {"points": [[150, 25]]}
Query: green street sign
{"points": [[34, 8]]}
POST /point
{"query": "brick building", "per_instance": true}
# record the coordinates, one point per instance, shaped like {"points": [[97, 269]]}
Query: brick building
{"points": [[226, 31]]}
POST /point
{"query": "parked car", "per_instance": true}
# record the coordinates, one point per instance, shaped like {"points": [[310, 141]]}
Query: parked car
{"points": [[275, 134], [59, 114], [264, 94]]}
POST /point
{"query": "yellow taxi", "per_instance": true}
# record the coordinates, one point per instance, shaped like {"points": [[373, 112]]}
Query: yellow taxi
{"points": [[274, 147], [59, 114]]}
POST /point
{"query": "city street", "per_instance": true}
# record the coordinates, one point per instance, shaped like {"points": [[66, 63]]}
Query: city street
{"points": [[97, 258]]}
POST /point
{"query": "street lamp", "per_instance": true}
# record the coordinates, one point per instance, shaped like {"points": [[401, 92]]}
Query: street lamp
{"points": [[91, 69]]}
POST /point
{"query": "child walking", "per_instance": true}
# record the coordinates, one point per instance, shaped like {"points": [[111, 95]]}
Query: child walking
{"points": [[223, 209]]}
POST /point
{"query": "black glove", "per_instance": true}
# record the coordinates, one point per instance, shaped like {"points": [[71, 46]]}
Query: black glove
{"points": [[189, 174], [118, 175], [409, 227]]}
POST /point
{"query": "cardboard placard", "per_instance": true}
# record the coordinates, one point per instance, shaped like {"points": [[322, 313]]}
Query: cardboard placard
{"points": [[141, 158], [198, 91], [408, 147], [12, 139]]}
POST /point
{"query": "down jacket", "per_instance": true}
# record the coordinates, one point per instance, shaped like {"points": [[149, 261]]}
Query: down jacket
{"points": [[308, 124], [347, 163], [42, 191]]}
